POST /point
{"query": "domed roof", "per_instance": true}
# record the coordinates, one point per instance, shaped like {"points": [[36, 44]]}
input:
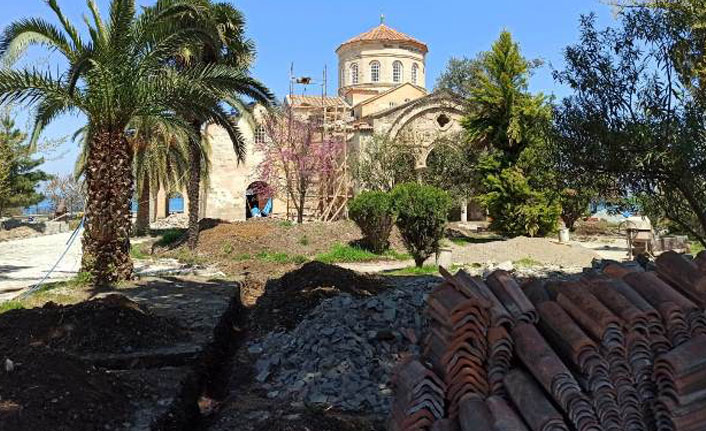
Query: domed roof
{"points": [[383, 33]]}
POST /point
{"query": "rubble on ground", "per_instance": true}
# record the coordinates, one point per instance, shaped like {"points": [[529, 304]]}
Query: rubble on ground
{"points": [[173, 221], [342, 354]]}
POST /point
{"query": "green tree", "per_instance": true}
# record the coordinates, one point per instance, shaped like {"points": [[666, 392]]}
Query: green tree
{"points": [[116, 73], [19, 176], [451, 167], [229, 47], [509, 125], [422, 213], [161, 160], [382, 163], [459, 75], [639, 134]]}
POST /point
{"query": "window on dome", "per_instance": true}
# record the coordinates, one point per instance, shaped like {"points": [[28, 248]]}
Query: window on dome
{"points": [[375, 71], [354, 73], [397, 71], [415, 72]]}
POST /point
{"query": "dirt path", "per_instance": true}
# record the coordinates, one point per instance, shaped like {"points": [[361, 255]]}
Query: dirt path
{"points": [[542, 250], [25, 262]]}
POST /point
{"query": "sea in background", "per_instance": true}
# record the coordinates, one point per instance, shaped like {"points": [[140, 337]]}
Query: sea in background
{"points": [[176, 205]]}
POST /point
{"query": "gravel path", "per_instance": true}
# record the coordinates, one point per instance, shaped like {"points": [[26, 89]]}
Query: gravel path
{"points": [[25, 262], [543, 250]]}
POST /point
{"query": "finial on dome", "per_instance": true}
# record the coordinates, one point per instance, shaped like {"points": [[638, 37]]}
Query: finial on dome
{"points": [[382, 18]]}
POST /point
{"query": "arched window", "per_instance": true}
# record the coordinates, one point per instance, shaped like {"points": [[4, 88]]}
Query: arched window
{"points": [[397, 71], [415, 72], [354, 73], [375, 71]]}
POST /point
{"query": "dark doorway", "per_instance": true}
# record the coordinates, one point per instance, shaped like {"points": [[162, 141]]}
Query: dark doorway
{"points": [[258, 200]]}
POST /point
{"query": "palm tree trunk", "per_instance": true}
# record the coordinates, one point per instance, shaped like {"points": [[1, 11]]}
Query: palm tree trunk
{"points": [[142, 224], [193, 189], [109, 184]]}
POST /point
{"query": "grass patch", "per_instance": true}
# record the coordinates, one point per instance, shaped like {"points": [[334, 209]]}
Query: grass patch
{"points": [[11, 305], [242, 257], [304, 240], [280, 257], [526, 262], [188, 257], [170, 236], [350, 253], [136, 252], [60, 292], [415, 270], [285, 223]]}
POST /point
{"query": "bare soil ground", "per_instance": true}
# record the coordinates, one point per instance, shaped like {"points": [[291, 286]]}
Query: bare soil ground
{"points": [[50, 387], [113, 324], [287, 300], [259, 250], [543, 250]]}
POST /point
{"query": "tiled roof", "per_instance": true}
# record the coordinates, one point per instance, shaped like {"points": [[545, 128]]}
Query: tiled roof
{"points": [[383, 33], [316, 101], [617, 348]]}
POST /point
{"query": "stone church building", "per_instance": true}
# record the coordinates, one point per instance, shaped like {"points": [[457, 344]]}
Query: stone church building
{"points": [[382, 90]]}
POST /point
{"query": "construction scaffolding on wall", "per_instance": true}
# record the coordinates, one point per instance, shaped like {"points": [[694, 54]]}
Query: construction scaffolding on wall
{"points": [[328, 198]]}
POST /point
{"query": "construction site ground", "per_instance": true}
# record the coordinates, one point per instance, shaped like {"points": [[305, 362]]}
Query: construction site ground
{"points": [[183, 351]]}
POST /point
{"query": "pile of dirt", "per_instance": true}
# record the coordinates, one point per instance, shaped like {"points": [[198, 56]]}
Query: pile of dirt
{"points": [[20, 232], [48, 390], [286, 301], [262, 249], [113, 324]]}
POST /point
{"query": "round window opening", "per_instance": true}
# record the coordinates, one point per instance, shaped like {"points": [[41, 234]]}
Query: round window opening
{"points": [[443, 120]]}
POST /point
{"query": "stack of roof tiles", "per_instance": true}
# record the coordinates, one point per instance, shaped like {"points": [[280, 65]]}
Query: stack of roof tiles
{"points": [[617, 349]]}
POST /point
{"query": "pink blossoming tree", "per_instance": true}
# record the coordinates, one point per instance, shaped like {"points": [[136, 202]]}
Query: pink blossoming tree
{"points": [[297, 157]]}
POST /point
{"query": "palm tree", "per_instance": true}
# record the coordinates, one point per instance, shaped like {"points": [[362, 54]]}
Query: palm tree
{"points": [[161, 160], [229, 47], [119, 73]]}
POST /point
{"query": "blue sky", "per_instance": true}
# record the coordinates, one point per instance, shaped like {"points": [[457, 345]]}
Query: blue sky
{"points": [[307, 33]]}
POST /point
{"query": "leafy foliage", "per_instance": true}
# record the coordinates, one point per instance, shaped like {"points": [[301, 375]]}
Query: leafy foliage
{"points": [[459, 75], [451, 167], [382, 164], [509, 126], [126, 68], [19, 176], [632, 120], [374, 213], [295, 157], [422, 216], [221, 44], [516, 208]]}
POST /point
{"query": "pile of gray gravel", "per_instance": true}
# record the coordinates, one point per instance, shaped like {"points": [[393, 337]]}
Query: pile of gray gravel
{"points": [[343, 354]]}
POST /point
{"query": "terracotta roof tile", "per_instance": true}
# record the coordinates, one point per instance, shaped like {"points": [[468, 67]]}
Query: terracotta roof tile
{"points": [[316, 101], [383, 33]]}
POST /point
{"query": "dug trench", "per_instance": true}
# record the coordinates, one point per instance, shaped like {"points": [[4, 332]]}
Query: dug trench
{"points": [[151, 357]]}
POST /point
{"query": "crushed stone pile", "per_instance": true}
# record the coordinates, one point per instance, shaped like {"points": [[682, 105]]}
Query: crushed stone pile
{"points": [[173, 221], [343, 353]]}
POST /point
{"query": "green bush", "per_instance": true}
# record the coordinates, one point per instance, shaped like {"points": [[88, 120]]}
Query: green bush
{"points": [[516, 208], [421, 217], [375, 215]]}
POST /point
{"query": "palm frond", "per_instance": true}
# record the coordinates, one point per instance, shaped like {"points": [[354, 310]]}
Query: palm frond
{"points": [[24, 33]]}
